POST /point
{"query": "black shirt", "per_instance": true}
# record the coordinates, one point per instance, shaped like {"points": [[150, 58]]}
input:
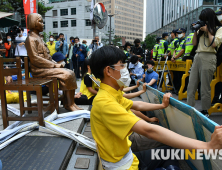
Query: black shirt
{"points": [[137, 51], [87, 81]]}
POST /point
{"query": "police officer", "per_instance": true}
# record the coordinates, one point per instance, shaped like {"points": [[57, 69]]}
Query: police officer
{"points": [[178, 54], [174, 42], [155, 49], [127, 49], [188, 47], [163, 46]]}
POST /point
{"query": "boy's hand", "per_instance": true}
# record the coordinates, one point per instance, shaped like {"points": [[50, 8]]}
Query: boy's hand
{"points": [[144, 87], [154, 119], [166, 99], [138, 83], [144, 75], [216, 139]]}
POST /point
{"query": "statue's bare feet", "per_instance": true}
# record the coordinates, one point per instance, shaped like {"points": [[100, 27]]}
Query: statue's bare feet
{"points": [[71, 108], [77, 107]]}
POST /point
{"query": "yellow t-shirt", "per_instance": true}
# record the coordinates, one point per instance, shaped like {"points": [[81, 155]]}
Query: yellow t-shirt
{"points": [[111, 124], [51, 47]]}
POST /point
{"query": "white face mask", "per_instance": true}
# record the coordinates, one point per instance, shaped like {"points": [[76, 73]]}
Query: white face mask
{"points": [[180, 35], [124, 80], [63, 63], [219, 17], [21, 33], [51, 39], [0, 41]]}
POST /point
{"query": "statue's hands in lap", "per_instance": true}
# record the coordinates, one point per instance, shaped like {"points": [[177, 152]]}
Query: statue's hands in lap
{"points": [[58, 66]]}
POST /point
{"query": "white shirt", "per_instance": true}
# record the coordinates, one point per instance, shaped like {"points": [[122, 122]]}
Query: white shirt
{"points": [[20, 50], [71, 51]]}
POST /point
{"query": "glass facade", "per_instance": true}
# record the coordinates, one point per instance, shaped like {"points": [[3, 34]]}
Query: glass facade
{"points": [[182, 13]]}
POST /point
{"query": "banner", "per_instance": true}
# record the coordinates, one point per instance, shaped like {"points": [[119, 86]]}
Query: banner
{"points": [[29, 7]]}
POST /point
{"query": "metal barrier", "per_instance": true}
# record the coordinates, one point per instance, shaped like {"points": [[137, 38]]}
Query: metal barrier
{"points": [[185, 120], [178, 66]]}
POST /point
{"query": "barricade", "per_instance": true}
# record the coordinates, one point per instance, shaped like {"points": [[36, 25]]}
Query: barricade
{"points": [[218, 78], [178, 66], [185, 120]]}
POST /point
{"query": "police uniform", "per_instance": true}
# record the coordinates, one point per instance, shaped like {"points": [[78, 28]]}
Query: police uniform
{"points": [[162, 50], [178, 74], [188, 46], [155, 52]]}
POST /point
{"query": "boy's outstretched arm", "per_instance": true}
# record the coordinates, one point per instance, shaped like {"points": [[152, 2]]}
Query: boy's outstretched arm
{"points": [[135, 94], [143, 106], [126, 89], [173, 139]]}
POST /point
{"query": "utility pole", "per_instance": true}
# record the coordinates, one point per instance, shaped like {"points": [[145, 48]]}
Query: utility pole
{"points": [[110, 16], [94, 25]]}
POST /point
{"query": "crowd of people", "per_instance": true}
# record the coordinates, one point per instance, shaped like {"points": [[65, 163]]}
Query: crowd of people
{"points": [[110, 72]]}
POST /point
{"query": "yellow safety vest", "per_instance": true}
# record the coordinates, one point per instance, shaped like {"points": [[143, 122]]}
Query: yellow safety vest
{"points": [[179, 48], [161, 49], [189, 44], [155, 50]]}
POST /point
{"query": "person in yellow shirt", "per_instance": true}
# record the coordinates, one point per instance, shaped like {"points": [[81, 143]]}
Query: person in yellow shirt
{"points": [[112, 123], [51, 45], [88, 87]]}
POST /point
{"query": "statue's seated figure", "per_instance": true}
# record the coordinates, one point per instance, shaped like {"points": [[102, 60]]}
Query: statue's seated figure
{"points": [[42, 65]]}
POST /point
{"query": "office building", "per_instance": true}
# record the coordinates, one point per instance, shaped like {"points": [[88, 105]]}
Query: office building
{"points": [[128, 16], [72, 18], [166, 15]]}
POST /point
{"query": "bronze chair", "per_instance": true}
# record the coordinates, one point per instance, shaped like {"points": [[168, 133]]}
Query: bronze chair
{"points": [[23, 85], [55, 88]]}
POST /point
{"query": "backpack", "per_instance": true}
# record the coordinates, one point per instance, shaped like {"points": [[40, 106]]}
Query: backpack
{"points": [[219, 53]]}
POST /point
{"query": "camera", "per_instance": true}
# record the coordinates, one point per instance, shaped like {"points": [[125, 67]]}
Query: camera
{"points": [[61, 42], [13, 31], [94, 41], [198, 25], [145, 67]]}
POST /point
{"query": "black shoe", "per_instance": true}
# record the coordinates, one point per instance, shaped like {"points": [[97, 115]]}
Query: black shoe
{"points": [[205, 113]]}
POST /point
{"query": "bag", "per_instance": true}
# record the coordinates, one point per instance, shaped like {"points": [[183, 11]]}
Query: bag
{"points": [[219, 54]]}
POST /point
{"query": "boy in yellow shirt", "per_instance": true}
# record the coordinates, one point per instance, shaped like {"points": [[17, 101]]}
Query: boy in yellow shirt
{"points": [[112, 122]]}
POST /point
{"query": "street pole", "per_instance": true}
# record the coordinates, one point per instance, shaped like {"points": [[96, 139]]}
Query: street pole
{"points": [[94, 25], [110, 16], [110, 32]]}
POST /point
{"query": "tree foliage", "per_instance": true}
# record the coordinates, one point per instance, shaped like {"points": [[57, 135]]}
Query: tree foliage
{"points": [[42, 9], [17, 6], [115, 40], [46, 36], [150, 41]]}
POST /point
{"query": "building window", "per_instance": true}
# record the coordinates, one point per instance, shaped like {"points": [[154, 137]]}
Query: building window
{"points": [[73, 11], [73, 23], [64, 24], [88, 22], [54, 13], [55, 24], [63, 12]]}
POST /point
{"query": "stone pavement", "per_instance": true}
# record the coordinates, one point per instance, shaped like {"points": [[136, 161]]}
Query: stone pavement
{"points": [[79, 156]]}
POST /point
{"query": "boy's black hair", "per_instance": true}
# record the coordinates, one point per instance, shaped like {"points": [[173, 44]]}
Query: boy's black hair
{"points": [[76, 38], [103, 57], [52, 36], [85, 69], [150, 62], [71, 38], [134, 59], [136, 41], [61, 34]]}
